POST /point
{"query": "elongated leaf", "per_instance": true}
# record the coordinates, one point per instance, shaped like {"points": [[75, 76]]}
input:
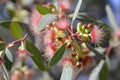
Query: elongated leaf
{"points": [[104, 72], [2, 45], [43, 10], [36, 55], [99, 55], [58, 55], [16, 30], [67, 73], [7, 62], [46, 19], [111, 17], [76, 11], [9, 55], [95, 72]]}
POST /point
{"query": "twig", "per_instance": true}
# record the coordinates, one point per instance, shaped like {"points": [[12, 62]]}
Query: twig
{"points": [[17, 41], [7, 77]]}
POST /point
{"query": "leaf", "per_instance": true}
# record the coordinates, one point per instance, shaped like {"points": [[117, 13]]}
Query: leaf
{"points": [[9, 55], [6, 25], [76, 11], [16, 30], [46, 19], [99, 55], [2, 45], [111, 17], [104, 72], [36, 55], [95, 72], [43, 10], [8, 63], [58, 55], [67, 73]]}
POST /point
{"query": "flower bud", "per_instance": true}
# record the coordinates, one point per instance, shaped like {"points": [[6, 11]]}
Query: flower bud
{"points": [[62, 24], [79, 26]]}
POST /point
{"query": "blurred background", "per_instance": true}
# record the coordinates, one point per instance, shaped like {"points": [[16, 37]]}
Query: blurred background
{"points": [[20, 10]]}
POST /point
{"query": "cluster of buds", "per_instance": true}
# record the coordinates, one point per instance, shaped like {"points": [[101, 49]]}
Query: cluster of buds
{"points": [[80, 52], [23, 73], [79, 57], [90, 32]]}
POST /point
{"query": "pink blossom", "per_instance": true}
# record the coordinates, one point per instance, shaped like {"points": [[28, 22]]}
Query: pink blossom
{"points": [[62, 24], [34, 20], [48, 42], [64, 4], [97, 35]]}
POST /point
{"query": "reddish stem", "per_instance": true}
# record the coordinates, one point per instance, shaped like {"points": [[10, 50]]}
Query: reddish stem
{"points": [[17, 41]]}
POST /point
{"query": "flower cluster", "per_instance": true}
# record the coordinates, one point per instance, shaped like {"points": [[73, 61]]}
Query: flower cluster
{"points": [[59, 32], [23, 73]]}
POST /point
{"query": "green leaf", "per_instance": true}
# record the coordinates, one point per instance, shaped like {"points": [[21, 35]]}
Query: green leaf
{"points": [[8, 63], [2, 45], [36, 55], [16, 30], [46, 19], [58, 55], [67, 73], [9, 55], [95, 72], [43, 10], [5, 25], [104, 72]]}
